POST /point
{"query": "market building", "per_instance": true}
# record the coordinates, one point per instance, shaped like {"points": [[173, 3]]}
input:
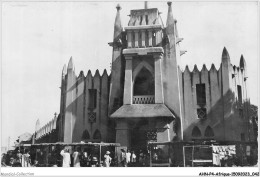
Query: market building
{"points": [[148, 97]]}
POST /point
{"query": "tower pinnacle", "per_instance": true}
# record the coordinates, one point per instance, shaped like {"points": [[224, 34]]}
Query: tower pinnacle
{"points": [[117, 27], [170, 23], [145, 5], [118, 7]]}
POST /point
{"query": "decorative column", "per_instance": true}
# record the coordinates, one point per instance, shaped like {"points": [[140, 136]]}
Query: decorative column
{"points": [[158, 37], [128, 90], [136, 39], [143, 38], [129, 39], [158, 78], [150, 38]]}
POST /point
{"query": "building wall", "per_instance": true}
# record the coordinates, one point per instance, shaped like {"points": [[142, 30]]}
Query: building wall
{"points": [[77, 111], [225, 115], [222, 107]]}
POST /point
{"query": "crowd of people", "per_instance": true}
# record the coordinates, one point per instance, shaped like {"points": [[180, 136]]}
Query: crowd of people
{"points": [[16, 159], [83, 159], [129, 158], [78, 157]]}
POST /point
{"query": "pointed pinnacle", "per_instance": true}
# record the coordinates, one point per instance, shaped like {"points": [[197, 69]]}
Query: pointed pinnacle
{"points": [[89, 73], [97, 73], [187, 69], [213, 67], [64, 70], [117, 26], [105, 72], [118, 7], [242, 63], [195, 69], [170, 23], [225, 55], [204, 67], [70, 65]]}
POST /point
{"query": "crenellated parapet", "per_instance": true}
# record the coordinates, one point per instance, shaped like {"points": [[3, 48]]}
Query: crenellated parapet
{"points": [[214, 95], [47, 129], [85, 101]]}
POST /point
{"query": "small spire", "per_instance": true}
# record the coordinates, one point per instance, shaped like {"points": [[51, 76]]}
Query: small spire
{"points": [[225, 55], [105, 73], [145, 5], [195, 69], [70, 65], [170, 23], [89, 73], [97, 73], [81, 74], [212, 67], [117, 26], [64, 70], [187, 69], [242, 63], [118, 7], [234, 68], [204, 67]]}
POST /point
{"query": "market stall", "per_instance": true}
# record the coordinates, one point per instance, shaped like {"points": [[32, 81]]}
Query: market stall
{"points": [[48, 154]]}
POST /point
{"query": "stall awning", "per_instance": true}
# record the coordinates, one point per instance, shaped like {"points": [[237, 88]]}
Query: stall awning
{"points": [[143, 111]]}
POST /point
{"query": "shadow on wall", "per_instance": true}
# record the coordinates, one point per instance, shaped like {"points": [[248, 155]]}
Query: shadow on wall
{"points": [[84, 118], [225, 118]]}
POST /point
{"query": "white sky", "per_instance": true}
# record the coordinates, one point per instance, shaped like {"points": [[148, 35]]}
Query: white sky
{"points": [[38, 38]]}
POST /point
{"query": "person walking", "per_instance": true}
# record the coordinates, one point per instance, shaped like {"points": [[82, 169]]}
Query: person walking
{"points": [[107, 160], [66, 157], [76, 159]]}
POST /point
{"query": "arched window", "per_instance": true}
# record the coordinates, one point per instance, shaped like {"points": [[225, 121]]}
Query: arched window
{"points": [[144, 83], [196, 132], [209, 132], [85, 135], [97, 135]]}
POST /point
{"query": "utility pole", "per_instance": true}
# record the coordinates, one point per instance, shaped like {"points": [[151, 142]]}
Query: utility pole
{"points": [[8, 147]]}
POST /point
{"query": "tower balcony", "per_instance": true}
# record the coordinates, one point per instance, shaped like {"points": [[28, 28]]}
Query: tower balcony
{"points": [[144, 36], [144, 99]]}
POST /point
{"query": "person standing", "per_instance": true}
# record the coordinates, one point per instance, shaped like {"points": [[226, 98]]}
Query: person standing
{"points": [[26, 160], [19, 156], [128, 157], [3, 160], [107, 159], [76, 160], [84, 159], [123, 158], [133, 158], [66, 157]]}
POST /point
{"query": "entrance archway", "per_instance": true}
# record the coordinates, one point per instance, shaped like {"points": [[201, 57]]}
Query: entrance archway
{"points": [[138, 135]]}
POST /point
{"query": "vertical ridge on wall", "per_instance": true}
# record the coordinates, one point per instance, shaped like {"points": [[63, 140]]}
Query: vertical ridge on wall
{"points": [[88, 85], [96, 85], [188, 101], [104, 107], [205, 80], [77, 132], [70, 103]]}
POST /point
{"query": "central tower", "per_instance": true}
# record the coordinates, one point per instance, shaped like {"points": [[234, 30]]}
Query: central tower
{"points": [[151, 91]]}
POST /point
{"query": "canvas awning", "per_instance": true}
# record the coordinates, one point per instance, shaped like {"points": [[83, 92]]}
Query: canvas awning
{"points": [[143, 111]]}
